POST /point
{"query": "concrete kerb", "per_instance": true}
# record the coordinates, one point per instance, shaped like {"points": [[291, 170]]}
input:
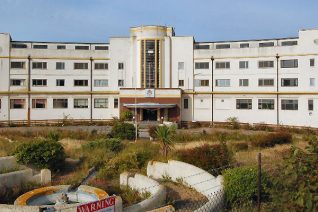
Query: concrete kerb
{"points": [[144, 184]]}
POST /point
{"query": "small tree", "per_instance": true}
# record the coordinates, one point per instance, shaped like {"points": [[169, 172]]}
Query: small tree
{"points": [[165, 136], [234, 122]]}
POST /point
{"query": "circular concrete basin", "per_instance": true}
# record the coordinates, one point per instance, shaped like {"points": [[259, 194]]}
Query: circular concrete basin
{"points": [[49, 195]]}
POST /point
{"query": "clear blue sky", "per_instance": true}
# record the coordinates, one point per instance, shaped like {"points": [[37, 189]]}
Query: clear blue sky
{"points": [[206, 20]]}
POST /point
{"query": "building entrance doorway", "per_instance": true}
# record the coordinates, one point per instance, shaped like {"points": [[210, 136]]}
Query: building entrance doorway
{"points": [[149, 115]]}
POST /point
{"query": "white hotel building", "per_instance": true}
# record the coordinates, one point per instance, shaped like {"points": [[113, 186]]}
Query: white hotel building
{"points": [[161, 76]]}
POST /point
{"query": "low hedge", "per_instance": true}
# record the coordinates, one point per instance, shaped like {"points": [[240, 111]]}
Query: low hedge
{"points": [[270, 140]]}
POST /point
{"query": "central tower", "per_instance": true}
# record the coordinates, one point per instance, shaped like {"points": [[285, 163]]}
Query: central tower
{"points": [[150, 44]]}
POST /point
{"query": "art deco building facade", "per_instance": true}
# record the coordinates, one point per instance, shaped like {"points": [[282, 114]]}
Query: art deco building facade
{"points": [[159, 75]]}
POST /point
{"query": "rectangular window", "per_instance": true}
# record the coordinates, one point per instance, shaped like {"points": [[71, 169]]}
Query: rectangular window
{"points": [[60, 47], [185, 103], [243, 64], [223, 83], [39, 103], [289, 82], [289, 104], [39, 65], [35, 46], [312, 82], [19, 46], [265, 64], [101, 47], [222, 65], [181, 83], [80, 103], [17, 103], [310, 104], [222, 46], [60, 103], [18, 65], [266, 104], [244, 45], [17, 82], [60, 82], [39, 82], [290, 43], [243, 82], [81, 83], [289, 63], [82, 47], [180, 65], [101, 103], [115, 103], [265, 82], [101, 66], [202, 65], [60, 65], [245, 104], [79, 66], [197, 46], [204, 83], [120, 83], [312, 62], [120, 66], [266, 44], [101, 83]]}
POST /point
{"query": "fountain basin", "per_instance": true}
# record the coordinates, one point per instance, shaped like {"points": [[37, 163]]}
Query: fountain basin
{"points": [[48, 195]]}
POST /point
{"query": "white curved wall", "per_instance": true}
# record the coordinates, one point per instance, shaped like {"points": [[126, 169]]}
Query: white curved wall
{"points": [[192, 176]]}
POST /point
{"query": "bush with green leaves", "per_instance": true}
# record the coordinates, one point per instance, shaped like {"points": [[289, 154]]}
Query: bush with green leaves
{"points": [[126, 115], [207, 157], [112, 144], [123, 130], [295, 187], [41, 154], [53, 136], [240, 185]]}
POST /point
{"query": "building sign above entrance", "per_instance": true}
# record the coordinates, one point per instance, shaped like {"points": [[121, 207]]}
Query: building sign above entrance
{"points": [[149, 93]]}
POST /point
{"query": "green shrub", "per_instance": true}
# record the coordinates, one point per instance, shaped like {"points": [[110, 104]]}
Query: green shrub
{"points": [[295, 188], [41, 154], [123, 130], [53, 136], [126, 115], [207, 157], [112, 144], [234, 122], [270, 140], [240, 185]]}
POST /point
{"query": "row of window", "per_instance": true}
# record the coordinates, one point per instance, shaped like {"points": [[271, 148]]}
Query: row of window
{"points": [[61, 82], [264, 104], [262, 82], [293, 63], [246, 45], [59, 47], [61, 65], [61, 103]]}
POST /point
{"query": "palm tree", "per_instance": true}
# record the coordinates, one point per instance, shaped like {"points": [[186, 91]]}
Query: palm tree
{"points": [[165, 136]]}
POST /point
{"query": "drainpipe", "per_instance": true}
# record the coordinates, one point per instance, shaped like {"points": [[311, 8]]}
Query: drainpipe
{"points": [[212, 90], [29, 90], [277, 89], [91, 89]]}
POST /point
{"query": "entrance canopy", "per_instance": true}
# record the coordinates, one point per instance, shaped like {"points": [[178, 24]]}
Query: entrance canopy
{"points": [[150, 105]]}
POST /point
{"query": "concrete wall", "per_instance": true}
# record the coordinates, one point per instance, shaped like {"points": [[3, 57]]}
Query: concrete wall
{"points": [[144, 184], [191, 176], [7, 163]]}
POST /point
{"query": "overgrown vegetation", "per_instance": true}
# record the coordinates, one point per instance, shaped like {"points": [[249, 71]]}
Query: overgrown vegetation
{"points": [[240, 186], [272, 139], [208, 157], [123, 130], [41, 154]]}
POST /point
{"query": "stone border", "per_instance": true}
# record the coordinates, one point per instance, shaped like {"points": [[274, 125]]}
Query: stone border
{"points": [[202, 181], [143, 184]]}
